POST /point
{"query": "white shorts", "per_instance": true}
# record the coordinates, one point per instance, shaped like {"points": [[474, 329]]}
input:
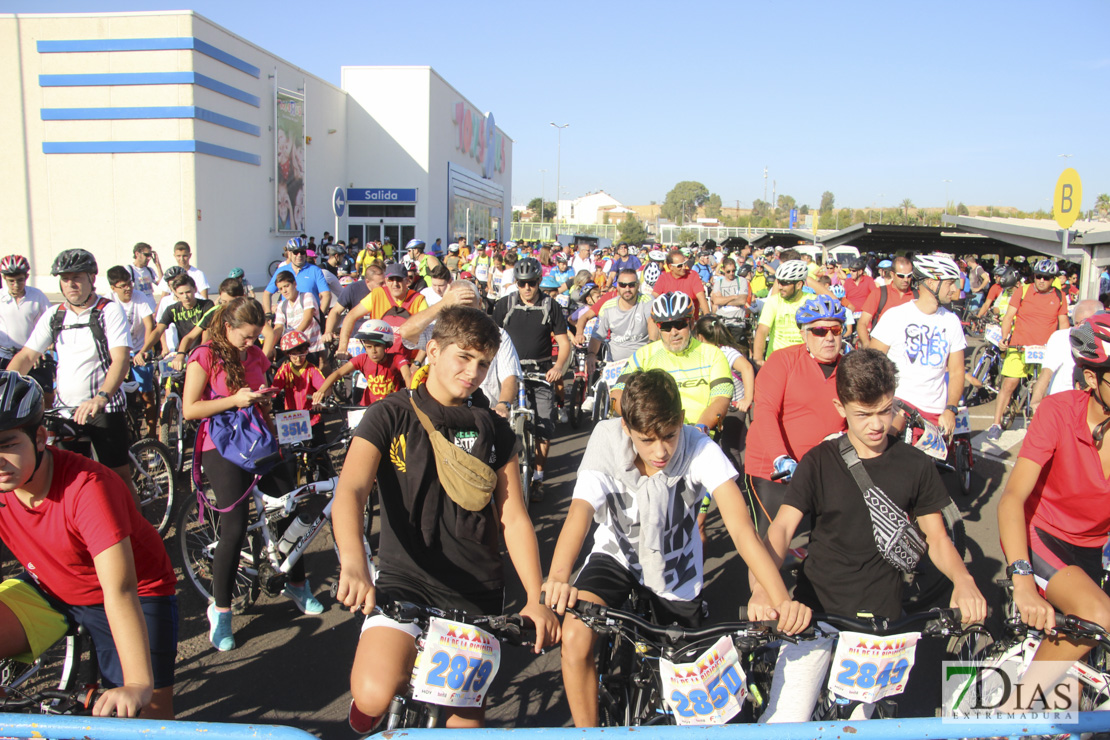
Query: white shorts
{"points": [[381, 620]]}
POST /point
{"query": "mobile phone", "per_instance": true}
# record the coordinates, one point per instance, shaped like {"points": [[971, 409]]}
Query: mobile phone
{"points": [[269, 390]]}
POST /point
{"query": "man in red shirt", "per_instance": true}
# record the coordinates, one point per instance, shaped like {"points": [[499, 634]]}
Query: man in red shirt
{"points": [[884, 298], [1032, 317], [859, 286], [680, 279]]}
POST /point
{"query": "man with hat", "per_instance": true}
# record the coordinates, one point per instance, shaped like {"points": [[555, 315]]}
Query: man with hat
{"points": [[393, 303]]}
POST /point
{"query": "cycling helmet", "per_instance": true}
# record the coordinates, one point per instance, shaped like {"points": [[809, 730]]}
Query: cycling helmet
{"points": [[549, 282], [414, 244], [859, 263], [14, 264], [1090, 342], [671, 307], [792, 271], [838, 292], [236, 272], [292, 339], [657, 255], [453, 249], [886, 265], [172, 272], [20, 401], [527, 269], [768, 251], [652, 273], [296, 244], [744, 270], [1007, 276], [73, 260], [935, 267], [311, 253], [375, 331], [821, 308], [1043, 267], [687, 252]]}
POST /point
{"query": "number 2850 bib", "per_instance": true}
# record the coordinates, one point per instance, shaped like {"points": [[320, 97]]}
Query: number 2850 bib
{"points": [[456, 665]]}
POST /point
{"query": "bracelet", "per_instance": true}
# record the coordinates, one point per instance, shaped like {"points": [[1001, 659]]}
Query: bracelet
{"points": [[179, 352]]}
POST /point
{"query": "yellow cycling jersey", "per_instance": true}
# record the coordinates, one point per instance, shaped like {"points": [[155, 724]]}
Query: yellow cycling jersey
{"points": [[778, 317], [702, 373]]}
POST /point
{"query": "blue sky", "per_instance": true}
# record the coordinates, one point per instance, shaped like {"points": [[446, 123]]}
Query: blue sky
{"points": [[875, 101]]}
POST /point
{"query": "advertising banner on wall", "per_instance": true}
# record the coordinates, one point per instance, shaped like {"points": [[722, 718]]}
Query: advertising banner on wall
{"points": [[289, 146]]}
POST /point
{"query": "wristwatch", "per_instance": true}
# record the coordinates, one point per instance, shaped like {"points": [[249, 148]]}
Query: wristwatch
{"points": [[953, 409], [104, 395], [1019, 568]]}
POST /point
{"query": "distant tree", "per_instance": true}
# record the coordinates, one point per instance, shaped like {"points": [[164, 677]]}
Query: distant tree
{"points": [[803, 210], [859, 217], [826, 220], [828, 201], [605, 217], [906, 205], [653, 202], [517, 215], [961, 210], [922, 216], [683, 199], [713, 206], [548, 214], [631, 230], [785, 203], [1102, 204], [760, 209], [685, 236]]}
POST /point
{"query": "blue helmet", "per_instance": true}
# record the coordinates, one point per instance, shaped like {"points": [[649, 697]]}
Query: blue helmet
{"points": [[414, 244], [296, 244], [236, 272], [1045, 267], [838, 291], [821, 308], [549, 282]]}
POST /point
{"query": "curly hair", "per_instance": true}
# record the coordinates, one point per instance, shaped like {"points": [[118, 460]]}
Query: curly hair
{"points": [[235, 313]]}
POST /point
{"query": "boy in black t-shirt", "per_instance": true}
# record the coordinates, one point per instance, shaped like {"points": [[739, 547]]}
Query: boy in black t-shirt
{"points": [[432, 550], [184, 315], [844, 572]]}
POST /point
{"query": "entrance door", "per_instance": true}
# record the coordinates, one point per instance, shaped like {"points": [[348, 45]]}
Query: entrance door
{"points": [[393, 233]]}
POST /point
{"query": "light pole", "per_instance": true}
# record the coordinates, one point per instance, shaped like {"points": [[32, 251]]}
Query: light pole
{"points": [[558, 166], [543, 192], [946, 201]]}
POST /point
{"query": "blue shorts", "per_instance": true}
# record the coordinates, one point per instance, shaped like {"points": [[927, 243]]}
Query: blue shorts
{"points": [[144, 374]]}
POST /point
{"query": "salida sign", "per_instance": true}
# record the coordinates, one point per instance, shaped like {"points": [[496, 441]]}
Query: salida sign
{"points": [[478, 136]]}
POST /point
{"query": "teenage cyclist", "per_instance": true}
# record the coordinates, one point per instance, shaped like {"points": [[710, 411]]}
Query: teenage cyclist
{"points": [[926, 342], [1055, 510], [793, 408], [894, 292], [1030, 319], [777, 326], [21, 306]]}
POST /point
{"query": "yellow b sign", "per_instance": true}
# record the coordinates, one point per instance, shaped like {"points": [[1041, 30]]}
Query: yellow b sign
{"points": [[1066, 200]]}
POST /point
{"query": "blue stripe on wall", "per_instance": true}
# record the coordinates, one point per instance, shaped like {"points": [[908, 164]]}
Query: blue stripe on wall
{"points": [[159, 44], [148, 147], [149, 78], [121, 114]]}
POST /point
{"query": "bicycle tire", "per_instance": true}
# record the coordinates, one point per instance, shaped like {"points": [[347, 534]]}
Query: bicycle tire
{"points": [[273, 267], [614, 697], [198, 544], [981, 371], [601, 402], [527, 464], [963, 463], [169, 432], [574, 411], [155, 482]]}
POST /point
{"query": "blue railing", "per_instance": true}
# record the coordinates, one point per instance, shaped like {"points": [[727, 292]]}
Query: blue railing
{"points": [[63, 728]]}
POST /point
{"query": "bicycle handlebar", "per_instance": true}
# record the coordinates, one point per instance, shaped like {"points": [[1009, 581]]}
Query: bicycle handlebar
{"points": [[593, 614], [78, 701], [928, 622], [513, 629]]}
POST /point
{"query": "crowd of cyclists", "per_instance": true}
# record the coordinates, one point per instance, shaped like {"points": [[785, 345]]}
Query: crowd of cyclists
{"points": [[761, 386]]}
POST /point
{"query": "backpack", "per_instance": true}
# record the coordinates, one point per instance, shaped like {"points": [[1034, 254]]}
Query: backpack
{"points": [[882, 305], [395, 316], [96, 325], [515, 305]]}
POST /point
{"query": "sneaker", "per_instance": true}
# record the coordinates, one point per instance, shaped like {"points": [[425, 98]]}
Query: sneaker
{"points": [[588, 405], [220, 631], [562, 415], [363, 724], [303, 598], [994, 433]]}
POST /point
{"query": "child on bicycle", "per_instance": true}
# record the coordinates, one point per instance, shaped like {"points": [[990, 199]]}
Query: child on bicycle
{"points": [[845, 573], [642, 480], [90, 558], [300, 380], [384, 371], [433, 550]]}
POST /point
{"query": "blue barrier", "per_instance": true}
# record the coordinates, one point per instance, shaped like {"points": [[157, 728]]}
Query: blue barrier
{"points": [[104, 728]]}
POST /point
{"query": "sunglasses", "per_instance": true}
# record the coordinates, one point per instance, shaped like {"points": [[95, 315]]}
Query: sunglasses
{"points": [[820, 331], [730, 272], [527, 283], [394, 279], [298, 251], [1043, 277], [633, 284], [904, 275], [669, 326]]}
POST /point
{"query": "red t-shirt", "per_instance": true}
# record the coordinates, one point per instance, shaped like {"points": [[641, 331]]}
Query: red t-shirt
{"points": [[893, 298], [254, 375], [87, 510], [381, 378], [992, 293], [793, 409], [691, 285], [857, 292], [299, 387], [1037, 315], [1071, 499]]}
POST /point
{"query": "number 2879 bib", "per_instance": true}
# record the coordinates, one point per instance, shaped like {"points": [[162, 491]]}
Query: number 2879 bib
{"points": [[867, 668], [456, 665]]}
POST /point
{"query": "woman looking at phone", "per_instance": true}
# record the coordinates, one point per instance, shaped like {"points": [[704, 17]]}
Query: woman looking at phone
{"points": [[229, 372]]}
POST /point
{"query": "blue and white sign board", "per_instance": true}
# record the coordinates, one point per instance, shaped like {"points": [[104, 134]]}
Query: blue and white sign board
{"points": [[339, 202], [382, 195]]}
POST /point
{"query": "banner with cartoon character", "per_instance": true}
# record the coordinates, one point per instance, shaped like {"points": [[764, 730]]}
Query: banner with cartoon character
{"points": [[289, 146]]}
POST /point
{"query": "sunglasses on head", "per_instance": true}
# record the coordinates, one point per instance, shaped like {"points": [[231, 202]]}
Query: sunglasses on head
{"points": [[904, 275], [820, 331], [627, 285], [670, 326], [527, 283]]}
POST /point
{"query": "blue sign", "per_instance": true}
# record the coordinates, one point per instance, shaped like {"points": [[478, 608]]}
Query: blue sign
{"points": [[382, 195], [793, 217], [338, 202]]}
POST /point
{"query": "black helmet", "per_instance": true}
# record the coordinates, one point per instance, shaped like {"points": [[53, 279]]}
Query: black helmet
{"points": [[859, 263], [172, 272], [1007, 276], [20, 401], [74, 260], [744, 270], [527, 269]]}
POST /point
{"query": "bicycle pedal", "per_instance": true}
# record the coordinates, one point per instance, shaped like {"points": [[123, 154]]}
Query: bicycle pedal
{"points": [[275, 584]]}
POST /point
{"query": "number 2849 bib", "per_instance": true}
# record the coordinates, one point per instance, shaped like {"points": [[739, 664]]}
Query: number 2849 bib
{"points": [[456, 665], [866, 668]]}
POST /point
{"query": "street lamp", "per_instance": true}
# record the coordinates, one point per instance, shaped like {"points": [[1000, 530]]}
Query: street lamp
{"points": [[946, 196], [558, 166]]}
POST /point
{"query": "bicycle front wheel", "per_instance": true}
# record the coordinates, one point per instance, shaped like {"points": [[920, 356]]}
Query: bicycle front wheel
{"points": [[601, 402], [574, 411], [198, 542], [169, 432], [155, 482]]}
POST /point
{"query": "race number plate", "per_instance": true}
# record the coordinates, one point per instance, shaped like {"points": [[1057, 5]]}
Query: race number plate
{"points": [[1034, 355], [931, 442], [612, 373], [993, 334], [867, 668], [588, 331], [355, 348], [963, 422], [293, 426], [456, 665], [709, 691]]}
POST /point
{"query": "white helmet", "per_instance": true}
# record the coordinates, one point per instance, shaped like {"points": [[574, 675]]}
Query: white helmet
{"points": [[671, 307], [652, 273], [935, 267], [792, 271], [657, 255]]}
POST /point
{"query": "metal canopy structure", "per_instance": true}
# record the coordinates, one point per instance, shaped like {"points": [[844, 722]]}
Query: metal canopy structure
{"points": [[892, 239]]}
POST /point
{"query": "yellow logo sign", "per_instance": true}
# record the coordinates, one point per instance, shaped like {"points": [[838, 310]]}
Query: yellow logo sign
{"points": [[397, 453], [1066, 199]]}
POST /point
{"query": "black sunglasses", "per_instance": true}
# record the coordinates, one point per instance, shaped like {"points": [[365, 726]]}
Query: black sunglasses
{"points": [[527, 283], [298, 251], [1043, 276], [633, 284], [670, 326]]}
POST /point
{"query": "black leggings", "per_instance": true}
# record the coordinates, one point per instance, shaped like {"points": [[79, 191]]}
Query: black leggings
{"points": [[229, 482]]}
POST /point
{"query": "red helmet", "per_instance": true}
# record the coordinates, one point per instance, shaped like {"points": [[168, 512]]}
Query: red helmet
{"points": [[292, 339], [14, 264], [1090, 342]]}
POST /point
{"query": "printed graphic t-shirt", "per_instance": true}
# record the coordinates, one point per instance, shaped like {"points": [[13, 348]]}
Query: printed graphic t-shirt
{"points": [[381, 378], [919, 347]]}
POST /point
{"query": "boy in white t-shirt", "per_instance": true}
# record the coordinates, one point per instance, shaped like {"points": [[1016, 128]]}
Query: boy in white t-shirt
{"points": [[140, 320], [642, 480], [297, 312]]}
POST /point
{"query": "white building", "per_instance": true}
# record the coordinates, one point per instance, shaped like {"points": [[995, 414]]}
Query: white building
{"points": [[162, 127], [585, 210]]}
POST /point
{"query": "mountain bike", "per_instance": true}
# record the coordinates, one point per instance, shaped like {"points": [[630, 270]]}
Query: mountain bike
{"points": [[952, 453], [983, 377], [578, 388], [522, 419], [151, 470], [72, 692], [1021, 403], [608, 373], [173, 430]]}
